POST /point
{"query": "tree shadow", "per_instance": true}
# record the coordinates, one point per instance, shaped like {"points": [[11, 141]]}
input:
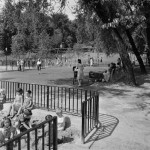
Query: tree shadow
{"points": [[143, 95], [108, 124], [141, 78], [71, 82]]}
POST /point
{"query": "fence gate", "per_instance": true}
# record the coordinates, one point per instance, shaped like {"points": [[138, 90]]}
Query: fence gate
{"points": [[90, 115]]}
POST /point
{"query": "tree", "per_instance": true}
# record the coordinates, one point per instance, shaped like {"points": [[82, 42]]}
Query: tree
{"points": [[119, 16], [106, 12], [68, 28]]}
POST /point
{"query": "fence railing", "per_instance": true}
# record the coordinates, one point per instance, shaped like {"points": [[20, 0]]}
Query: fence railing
{"points": [[32, 137], [12, 64], [90, 115], [50, 97], [70, 100]]}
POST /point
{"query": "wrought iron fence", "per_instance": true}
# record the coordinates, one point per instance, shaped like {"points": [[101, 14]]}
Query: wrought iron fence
{"points": [[90, 115], [50, 97], [73, 101], [33, 136]]}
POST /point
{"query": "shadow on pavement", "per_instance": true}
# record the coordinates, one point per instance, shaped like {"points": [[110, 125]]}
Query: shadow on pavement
{"points": [[108, 125], [69, 82]]}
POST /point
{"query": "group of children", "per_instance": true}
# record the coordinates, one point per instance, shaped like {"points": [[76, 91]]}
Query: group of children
{"points": [[18, 117]]}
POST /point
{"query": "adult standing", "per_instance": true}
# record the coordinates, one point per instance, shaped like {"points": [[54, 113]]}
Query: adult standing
{"points": [[80, 72], [91, 61], [18, 65], [22, 64], [39, 63]]}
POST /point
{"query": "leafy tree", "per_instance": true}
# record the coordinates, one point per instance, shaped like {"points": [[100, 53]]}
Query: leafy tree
{"points": [[67, 27], [107, 12]]}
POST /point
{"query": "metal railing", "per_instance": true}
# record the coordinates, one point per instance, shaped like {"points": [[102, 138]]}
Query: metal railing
{"points": [[50, 97], [73, 101], [12, 65], [90, 115], [32, 137]]}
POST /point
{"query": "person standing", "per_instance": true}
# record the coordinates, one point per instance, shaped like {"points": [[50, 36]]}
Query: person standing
{"points": [[80, 72], [18, 65], [22, 64], [91, 61], [39, 63]]}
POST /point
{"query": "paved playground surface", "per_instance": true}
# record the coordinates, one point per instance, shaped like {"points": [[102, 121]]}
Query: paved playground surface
{"points": [[125, 125]]}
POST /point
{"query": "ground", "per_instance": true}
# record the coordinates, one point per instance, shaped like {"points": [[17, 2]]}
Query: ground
{"points": [[122, 109]]}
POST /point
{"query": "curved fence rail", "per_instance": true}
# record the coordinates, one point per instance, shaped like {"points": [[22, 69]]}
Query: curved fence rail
{"points": [[29, 139], [90, 115], [73, 101], [50, 97]]}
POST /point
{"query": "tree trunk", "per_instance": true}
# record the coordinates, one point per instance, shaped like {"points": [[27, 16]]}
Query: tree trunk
{"points": [[137, 54], [146, 11], [126, 61], [130, 77], [148, 40]]}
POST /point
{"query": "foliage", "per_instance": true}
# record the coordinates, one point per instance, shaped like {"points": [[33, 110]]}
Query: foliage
{"points": [[33, 27]]}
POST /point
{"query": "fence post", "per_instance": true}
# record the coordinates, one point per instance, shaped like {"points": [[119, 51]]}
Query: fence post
{"points": [[97, 97], [55, 133], [85, 94], [83, 125], [9, 146], [48, 97], [18, 85]]}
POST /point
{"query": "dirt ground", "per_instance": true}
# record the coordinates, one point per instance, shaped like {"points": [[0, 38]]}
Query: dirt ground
{"points": [[122, 111]]}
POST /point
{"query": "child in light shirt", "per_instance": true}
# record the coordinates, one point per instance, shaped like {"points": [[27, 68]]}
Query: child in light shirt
{"points": [[15, 106]]}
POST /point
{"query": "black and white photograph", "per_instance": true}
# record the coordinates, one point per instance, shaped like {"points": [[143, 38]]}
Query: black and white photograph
{"points": [[74, 74]]}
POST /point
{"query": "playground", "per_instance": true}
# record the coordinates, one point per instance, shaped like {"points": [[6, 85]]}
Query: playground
{"points": [[122, 109]]}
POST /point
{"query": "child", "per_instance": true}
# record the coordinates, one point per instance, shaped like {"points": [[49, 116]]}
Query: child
{"points": [[46, 130], [7, 130], [28, 104], [17, 103], [2, 98], [23, 121], [60, 120]]}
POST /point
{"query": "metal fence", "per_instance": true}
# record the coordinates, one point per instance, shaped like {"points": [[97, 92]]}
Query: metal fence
{"points": [[33, 136], [70, 100], [50, 97], [90, 115], [12, 64]]}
